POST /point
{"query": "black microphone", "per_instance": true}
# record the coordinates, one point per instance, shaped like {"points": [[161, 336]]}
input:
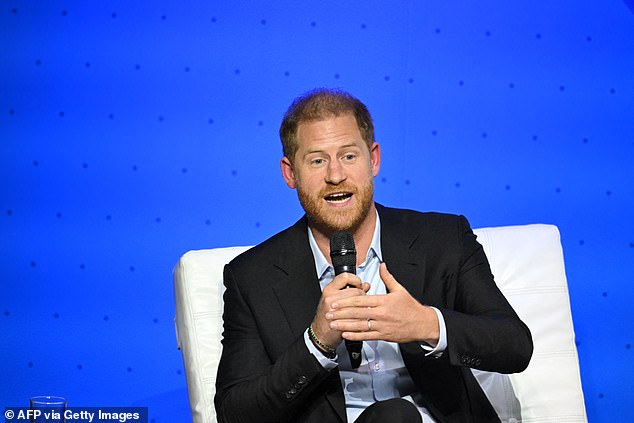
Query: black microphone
{"points": [[344, 260]]}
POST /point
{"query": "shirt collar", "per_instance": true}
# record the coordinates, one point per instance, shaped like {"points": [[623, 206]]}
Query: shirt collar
{"points": [[321, 263]]}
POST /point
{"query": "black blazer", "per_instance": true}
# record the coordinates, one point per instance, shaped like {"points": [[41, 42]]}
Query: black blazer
{"points": [[266, 373]]}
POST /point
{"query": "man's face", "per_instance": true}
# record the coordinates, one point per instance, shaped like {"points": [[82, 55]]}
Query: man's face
{"points": [[333, 172]]}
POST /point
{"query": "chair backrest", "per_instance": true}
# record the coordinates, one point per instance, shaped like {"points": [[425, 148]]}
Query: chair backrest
{"points": [[527, 262]]}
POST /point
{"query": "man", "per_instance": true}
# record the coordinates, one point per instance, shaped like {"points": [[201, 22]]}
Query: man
{"points": [[423, 301]]}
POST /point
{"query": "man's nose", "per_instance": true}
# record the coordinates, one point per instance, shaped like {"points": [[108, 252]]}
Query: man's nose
{"points": [[335, 173]]}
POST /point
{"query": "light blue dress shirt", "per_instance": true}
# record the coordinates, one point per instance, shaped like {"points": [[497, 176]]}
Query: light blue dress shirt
{"points": [[382, 374]]}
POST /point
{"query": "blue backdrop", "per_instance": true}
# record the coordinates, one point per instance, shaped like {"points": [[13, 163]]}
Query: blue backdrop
{"points": [[131, 132]]}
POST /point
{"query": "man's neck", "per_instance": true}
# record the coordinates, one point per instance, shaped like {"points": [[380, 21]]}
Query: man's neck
{"points": [[362, 237]]}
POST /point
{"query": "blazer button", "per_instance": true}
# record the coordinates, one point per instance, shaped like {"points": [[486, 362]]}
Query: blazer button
{"points": [[302, 380]]}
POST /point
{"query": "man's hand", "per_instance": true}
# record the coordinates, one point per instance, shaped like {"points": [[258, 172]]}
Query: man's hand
{"points": [[394, 317], [335, 292]]}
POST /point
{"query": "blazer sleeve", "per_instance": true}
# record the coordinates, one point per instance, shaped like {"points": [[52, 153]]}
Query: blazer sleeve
{"points": [[255, 383], [483, 330]]}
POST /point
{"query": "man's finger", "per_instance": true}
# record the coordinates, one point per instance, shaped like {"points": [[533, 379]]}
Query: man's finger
{"points": [[390, 282], [345, 279], [362, 301], [362, 336], [350, 325]]}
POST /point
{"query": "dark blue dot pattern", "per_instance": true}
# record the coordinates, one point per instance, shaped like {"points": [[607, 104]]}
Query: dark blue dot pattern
{"points": [[132, 133]]}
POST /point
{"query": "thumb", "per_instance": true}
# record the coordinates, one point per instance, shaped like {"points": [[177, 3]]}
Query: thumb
{"points": [[390, 283]]}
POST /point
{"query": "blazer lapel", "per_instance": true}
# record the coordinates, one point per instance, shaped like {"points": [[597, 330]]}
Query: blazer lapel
{"points": [[297, 287], [399, 248]]}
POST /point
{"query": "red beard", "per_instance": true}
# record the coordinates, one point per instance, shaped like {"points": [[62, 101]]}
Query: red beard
{"points": [[327, 219]]}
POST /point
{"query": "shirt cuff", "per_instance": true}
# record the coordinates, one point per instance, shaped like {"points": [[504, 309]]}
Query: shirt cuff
{"points": [[442, 340], [325, 362]]}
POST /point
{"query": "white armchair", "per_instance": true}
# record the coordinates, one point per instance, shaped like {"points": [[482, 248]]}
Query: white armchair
{"points": [[527, 262]]}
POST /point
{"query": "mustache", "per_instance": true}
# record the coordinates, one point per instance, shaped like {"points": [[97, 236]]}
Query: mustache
{"points": [[339, 188]]}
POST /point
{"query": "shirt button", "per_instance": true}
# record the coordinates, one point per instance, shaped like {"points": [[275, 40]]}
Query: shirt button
{"points": [[377, 367]]}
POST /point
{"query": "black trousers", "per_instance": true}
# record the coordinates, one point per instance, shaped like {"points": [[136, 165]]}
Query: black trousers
{"points": [[395, 410]]}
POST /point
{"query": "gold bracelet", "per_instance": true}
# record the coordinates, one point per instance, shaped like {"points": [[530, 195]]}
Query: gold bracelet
{"points": [[330, 351]]}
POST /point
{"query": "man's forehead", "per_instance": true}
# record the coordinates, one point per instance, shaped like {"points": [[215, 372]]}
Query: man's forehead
{"points": [[318, 127]]}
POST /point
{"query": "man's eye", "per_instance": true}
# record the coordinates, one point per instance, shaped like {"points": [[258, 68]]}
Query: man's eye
{"points": [[317, 161], [349, 157]]}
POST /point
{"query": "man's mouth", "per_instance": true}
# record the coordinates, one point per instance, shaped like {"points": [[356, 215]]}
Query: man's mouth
{"points": [[338, 197]]}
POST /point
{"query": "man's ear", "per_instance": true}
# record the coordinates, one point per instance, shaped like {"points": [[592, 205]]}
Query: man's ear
{"points": [[288, 173], [375, 158]]}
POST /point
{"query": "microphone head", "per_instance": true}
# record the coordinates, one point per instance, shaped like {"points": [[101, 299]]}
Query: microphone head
{"points": [[342, 252]]}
